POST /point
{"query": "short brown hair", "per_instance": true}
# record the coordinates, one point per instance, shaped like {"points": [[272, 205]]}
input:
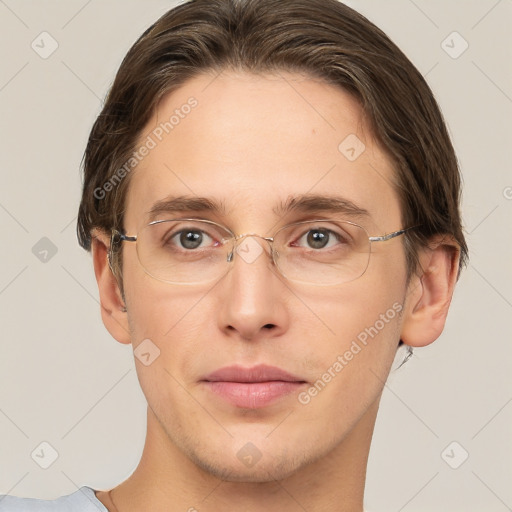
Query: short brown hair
{"points": [[321, 38]]}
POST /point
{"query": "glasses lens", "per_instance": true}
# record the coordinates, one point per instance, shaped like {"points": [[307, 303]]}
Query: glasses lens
{"points": [[185, 251], [322, 252]]}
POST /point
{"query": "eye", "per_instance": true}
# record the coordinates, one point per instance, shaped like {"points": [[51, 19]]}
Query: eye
{"points": [[318, 238], [189, 238]]}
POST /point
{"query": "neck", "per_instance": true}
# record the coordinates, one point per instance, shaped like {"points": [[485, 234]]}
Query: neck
{"points": [[166, 479]]}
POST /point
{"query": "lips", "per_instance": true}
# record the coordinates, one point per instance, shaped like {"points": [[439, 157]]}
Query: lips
{"points": [[254, 387], [260, 373]]}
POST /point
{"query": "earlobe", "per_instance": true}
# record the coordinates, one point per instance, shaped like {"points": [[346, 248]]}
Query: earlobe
{"points": [[113, 310], [430, 293]]}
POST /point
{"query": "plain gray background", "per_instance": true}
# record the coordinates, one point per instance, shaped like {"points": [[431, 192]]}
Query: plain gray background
{"points": [[65, 382]]}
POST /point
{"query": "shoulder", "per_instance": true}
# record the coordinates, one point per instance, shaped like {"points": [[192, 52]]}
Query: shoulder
{"points": [[82, 500]]}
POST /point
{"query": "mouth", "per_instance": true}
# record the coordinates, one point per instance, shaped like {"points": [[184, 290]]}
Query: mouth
{"points": [[252, 388]]}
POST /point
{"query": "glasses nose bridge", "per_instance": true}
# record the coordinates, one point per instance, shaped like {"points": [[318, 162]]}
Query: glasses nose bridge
{"points": [[269, 239], [238, 238]]}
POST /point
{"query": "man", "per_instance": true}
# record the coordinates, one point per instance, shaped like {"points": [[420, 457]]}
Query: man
{"points": [[271, 201]]}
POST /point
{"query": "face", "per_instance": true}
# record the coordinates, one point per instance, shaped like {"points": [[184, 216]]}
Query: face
{"points": [[251, 143]]}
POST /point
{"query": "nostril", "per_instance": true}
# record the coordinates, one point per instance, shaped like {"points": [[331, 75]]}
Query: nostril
{"points": [[269, 326]]}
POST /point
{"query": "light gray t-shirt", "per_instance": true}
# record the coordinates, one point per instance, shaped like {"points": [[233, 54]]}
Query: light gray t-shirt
{"points": [[82, 500]]}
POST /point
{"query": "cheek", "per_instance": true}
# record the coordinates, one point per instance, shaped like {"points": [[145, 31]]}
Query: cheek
{"points": [[178, 320], [154, 307], [352, 358], [348, 312], [161, 311], [351, 367], [170, 326]]}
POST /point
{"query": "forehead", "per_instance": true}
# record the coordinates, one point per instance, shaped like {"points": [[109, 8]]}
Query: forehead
{"points": [[253, 143]]}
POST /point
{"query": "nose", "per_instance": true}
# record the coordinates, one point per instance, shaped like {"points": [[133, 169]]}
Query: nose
{"points": [[252, 296]]}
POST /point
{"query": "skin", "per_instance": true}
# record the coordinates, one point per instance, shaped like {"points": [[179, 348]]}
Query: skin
{"points": [[252, 142]]}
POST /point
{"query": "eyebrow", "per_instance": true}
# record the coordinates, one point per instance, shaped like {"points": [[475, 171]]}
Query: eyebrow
{"points": [[314, 203], [182, 204], [304, 203]]}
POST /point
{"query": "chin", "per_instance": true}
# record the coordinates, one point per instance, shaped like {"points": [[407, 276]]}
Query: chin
{"points": [[263, 472], [277, 459]]}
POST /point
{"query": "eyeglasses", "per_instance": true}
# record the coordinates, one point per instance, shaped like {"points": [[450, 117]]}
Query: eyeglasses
{"points": [[192, 251]]}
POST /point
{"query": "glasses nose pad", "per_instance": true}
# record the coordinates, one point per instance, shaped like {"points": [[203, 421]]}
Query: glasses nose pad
{"points": [[232, 250]]}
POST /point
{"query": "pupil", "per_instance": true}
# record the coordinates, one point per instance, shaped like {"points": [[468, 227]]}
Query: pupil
{"points": [[318, 239], [191, 239]]}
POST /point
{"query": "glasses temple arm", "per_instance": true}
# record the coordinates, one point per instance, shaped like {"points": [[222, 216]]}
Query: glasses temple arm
{"points": [[389, 236]]}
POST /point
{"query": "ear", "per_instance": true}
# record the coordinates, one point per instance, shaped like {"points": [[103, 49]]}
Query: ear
{"points": [[430, 293], [113, 311]]}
